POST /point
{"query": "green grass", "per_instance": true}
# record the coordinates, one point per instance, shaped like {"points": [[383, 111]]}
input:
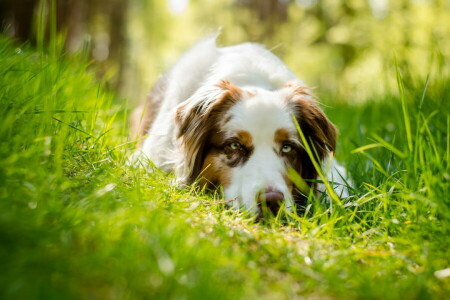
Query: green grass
{"points": [[76, 222]]}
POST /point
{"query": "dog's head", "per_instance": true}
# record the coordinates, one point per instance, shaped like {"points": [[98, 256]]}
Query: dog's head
{"points": [[246, 141]]}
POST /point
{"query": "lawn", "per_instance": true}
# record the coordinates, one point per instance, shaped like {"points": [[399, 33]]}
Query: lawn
{"points": [[77, 222]]}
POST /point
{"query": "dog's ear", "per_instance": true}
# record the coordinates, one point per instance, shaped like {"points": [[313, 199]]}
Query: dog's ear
{"points": [[196, 119], [312, 120]]}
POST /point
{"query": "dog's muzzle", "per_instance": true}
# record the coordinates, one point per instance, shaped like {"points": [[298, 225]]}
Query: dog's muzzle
{"points": [[270, 198]]}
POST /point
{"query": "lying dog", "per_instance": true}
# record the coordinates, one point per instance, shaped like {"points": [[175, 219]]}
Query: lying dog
{"points": [[225, 116]]}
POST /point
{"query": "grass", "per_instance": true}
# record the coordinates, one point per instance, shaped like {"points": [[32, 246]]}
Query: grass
{"points": [[76, 222]]}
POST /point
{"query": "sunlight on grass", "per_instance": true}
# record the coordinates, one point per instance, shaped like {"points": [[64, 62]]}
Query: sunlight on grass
{"points": [[77, 222]]}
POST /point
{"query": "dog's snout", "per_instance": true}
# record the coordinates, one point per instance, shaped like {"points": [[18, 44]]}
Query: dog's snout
{"points": [[271, 195], [271, 198]]}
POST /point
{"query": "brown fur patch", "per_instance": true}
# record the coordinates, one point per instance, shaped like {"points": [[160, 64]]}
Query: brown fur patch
{"points": [[312, 120], [237, 157], [233, 91], [294, 159], [214, 171], [297, 159], [197, 123], [284, 135], [300, 90], [221, 158], [245, 138], [318, 130], [315, 126]]}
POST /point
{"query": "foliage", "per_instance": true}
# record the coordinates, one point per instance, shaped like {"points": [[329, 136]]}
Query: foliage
{"points": [[345, 47], [77, 222]]}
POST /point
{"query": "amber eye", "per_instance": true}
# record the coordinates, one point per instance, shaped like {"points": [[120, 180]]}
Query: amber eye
{"points": [[235, 145], [286, 148]]}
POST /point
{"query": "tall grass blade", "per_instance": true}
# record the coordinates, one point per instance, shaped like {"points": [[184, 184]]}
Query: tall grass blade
{"points": [[406, 116], [317, 166]]}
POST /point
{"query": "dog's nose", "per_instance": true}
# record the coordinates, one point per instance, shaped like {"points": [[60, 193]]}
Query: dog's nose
{"points": [[271, 198]]}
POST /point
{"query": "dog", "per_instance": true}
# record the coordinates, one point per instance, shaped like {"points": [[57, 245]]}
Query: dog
{"points": [[229, 117]]}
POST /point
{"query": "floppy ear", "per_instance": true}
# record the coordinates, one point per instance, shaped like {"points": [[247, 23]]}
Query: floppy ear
{"points": [[196, 119], [312, 120]]}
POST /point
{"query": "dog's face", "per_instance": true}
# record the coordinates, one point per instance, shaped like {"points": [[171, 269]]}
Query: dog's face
{"points": [[246, 141]]}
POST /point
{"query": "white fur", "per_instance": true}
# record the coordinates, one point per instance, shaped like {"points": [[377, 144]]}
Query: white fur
{"points": [[252, 68], [261, 116]]}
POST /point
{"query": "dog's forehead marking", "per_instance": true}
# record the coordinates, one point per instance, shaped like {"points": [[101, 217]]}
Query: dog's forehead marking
{"points": [[284, 134], [261, 115], [245, 137]]}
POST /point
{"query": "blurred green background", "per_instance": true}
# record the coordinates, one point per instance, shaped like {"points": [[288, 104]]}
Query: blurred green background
{"points": [[346, 48], [77, 223]]}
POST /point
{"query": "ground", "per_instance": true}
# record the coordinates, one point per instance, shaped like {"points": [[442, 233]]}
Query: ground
{"points": [[77, 222]]}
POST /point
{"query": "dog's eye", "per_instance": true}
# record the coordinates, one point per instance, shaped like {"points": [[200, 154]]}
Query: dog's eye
{"points": [[286, 148], [235, 146]]}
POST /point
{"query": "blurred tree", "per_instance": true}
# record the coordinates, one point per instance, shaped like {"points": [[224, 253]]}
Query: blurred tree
{"points": [[99, 22], [16, 17], [338, 45], [270, 13]]}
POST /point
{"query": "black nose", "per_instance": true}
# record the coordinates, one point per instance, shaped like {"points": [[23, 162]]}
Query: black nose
{"points": [[270, 198]]}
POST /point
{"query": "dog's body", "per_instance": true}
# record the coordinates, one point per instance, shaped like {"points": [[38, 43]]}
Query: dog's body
{"points": [[225, 116]]}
